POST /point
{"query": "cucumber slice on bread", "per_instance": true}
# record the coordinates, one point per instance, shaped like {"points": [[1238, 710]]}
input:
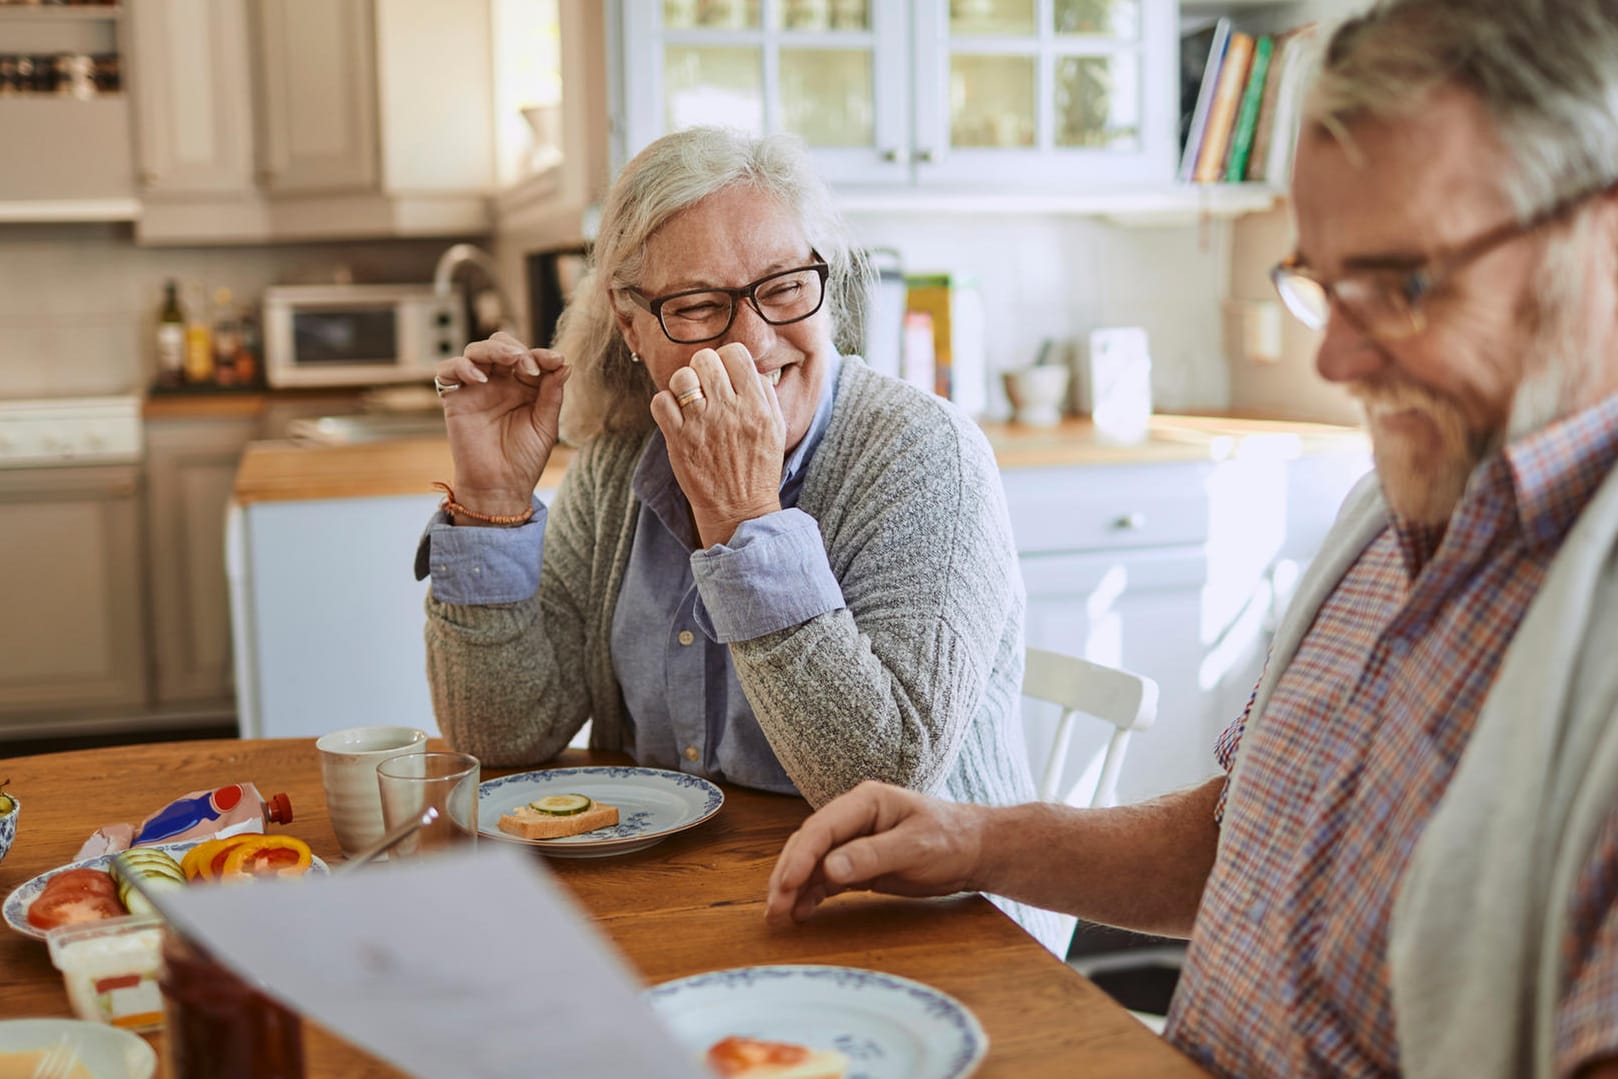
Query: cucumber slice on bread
{"points": [[561, 805]]}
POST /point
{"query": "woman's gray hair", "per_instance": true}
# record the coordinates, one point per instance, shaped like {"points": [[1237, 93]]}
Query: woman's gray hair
{"points": [[1546, 71], [612, 393]]}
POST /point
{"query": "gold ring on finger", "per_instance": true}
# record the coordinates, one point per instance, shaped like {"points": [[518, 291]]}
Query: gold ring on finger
{"points": [[693, 394]]}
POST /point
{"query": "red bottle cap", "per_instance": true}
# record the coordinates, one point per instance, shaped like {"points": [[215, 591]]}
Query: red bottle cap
{"points": [[279, 809]]}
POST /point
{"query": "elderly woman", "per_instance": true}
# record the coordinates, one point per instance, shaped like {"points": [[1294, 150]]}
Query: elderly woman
{"points": [[768, 565]]}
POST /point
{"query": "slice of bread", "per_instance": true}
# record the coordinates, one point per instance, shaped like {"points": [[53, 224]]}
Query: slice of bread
{"points": [[736, 1057], [532, 824]]}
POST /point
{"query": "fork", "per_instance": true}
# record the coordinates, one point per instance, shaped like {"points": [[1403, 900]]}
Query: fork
{"points": [[58, 1062]]}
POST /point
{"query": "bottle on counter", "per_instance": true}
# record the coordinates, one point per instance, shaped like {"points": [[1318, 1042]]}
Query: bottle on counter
{"points": [[198, 340], [170, 337], [227, 338], [248, 349]]}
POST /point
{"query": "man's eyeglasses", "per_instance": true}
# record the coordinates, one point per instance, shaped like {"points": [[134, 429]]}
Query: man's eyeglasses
{"points": [[1390, 304], [704, 314]]}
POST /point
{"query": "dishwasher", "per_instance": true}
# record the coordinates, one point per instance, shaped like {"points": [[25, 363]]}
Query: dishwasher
{"points": [[73, 656]]}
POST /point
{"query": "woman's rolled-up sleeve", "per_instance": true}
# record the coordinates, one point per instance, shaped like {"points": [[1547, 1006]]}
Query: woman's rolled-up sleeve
{"points": [[772, 575]]}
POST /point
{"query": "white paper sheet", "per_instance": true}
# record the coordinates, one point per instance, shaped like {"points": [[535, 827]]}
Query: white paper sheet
{"points": [[472, 965]]}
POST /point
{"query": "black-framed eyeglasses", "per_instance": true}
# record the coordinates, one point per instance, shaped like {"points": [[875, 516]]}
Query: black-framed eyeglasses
{"points": [[1390, 304], [704, 314]]}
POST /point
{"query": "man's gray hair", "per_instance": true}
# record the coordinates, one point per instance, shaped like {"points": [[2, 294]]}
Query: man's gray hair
{"points": [[1546, 71], [610, 392]]}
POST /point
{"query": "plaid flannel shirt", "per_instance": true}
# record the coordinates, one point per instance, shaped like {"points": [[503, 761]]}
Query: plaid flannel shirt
{"points": [[1287, 973]]}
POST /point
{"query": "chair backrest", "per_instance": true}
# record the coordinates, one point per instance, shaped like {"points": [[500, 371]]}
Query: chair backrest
{"points": [[1080, 687]]}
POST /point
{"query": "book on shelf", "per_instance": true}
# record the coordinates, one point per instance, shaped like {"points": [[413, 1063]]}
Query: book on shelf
{"points": [[1241, 139], [1202, 51], [1222, 115], [1272, 158]]}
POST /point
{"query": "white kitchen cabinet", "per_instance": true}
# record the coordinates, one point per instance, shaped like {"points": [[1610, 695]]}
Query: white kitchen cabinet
{"points": [[1031, 95], [194, 101], [312, 119], [318, 111], [190, 466], [1162, 569], [72, 640]]}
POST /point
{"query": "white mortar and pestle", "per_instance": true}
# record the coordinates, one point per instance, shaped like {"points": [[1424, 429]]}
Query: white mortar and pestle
{"points": [[1038, 392]]}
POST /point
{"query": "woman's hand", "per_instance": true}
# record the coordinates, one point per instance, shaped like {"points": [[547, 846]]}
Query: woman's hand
{"points": [[879, 838], [727, 446], [502, 420]]}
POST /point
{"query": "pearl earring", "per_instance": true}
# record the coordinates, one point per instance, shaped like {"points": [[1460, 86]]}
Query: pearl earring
{"points": [[634, 358]]}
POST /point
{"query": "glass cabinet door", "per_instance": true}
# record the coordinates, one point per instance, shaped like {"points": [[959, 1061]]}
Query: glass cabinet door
{"points": [[835, 72], [1045, 92], [1049, 95]]}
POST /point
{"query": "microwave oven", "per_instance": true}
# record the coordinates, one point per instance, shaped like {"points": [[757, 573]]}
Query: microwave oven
{"points": [[358, 335]]}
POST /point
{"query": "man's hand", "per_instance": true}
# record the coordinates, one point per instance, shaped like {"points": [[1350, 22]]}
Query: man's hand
{"points": [[879, 838]]}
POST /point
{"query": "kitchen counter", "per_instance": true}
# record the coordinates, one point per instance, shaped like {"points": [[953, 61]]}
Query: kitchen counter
{"points": [[287, 471]]}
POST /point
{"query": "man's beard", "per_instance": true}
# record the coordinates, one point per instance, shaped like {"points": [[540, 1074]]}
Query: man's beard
{"points": [[1423, 480]]}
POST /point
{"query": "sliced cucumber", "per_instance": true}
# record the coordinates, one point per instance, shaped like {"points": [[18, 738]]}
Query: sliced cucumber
{"points": [[561, 805], [156, 869]]}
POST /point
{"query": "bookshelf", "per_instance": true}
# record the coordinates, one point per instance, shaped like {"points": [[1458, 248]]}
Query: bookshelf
{"points": [[1242, 69]]}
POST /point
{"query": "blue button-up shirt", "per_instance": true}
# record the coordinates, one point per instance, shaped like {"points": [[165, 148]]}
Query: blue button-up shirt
{"points": [[678, 609]]}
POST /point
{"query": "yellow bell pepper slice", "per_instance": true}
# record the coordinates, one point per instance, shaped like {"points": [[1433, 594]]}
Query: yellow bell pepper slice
{"points": [[268, 856]]}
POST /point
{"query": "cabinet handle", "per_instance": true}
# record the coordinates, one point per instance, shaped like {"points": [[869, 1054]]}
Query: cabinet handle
{"points": [[1129, 522], [926, 157], [895, 156]]}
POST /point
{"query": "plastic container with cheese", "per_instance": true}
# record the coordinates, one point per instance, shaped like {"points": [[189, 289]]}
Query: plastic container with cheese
{"points": [[111, 969]]}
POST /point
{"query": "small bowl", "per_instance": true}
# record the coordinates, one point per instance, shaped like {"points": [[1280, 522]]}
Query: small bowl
{"points": [[1037, 394], [8, 827]]}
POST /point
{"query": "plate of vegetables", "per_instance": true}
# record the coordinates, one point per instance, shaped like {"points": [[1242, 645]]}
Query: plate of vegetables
{"points": [[95, 888]]}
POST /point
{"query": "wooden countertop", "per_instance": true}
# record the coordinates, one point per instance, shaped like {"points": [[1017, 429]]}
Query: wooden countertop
{"points": [[287, 471]]}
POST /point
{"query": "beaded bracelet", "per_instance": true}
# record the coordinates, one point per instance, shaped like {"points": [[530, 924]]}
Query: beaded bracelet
{"points": [[449, 505]]}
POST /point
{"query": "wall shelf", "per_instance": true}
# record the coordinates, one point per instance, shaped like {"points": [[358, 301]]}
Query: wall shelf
{"points": [[59, 13], [1146, 206]]}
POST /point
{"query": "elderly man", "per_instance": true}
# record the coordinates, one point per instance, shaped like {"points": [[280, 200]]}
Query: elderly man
{"points": [[1411, 866]]}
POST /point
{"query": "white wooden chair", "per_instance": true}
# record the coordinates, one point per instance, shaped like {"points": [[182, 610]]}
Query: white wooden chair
{"points": [[1080, 687]]}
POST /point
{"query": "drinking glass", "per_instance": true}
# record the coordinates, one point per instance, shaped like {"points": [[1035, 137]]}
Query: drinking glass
{"points": [[446, 781]]}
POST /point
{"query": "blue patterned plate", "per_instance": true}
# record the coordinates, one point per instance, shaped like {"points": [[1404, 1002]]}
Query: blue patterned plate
{"points": [[23, 895], [652, 804], [887, 1027]]}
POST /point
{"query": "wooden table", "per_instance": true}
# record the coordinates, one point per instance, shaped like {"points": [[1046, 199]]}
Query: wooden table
{"points": [[690, 904]]}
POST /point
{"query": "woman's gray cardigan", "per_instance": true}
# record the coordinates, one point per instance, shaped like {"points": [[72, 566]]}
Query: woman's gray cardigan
{"points": [[914, 681]]}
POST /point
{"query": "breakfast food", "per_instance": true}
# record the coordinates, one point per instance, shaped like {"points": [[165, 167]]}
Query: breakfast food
{"points": [[751, 1058], [71, 896], [558, 815], [78, 895]]}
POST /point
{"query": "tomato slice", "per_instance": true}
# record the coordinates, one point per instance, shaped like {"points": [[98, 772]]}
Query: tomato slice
{"points": [[67, 908], [83, 882]]}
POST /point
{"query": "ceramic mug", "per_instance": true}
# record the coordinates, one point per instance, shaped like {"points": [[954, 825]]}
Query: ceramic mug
{"points": [[348, 760]]}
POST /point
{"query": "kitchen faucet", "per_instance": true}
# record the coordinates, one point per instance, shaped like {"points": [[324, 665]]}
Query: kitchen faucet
{"points": [[458, 255]]}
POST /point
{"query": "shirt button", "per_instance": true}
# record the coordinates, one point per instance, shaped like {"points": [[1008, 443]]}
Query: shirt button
{"points": [[691, 753], [686, 637]]}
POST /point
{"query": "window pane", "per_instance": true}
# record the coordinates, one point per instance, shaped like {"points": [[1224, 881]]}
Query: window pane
{"points": [[826, 96], [991, 16], [825, 15], [1111, 18], [710, 14], [1098, 101], [991, 100], [850, 15], [713, 86]]}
